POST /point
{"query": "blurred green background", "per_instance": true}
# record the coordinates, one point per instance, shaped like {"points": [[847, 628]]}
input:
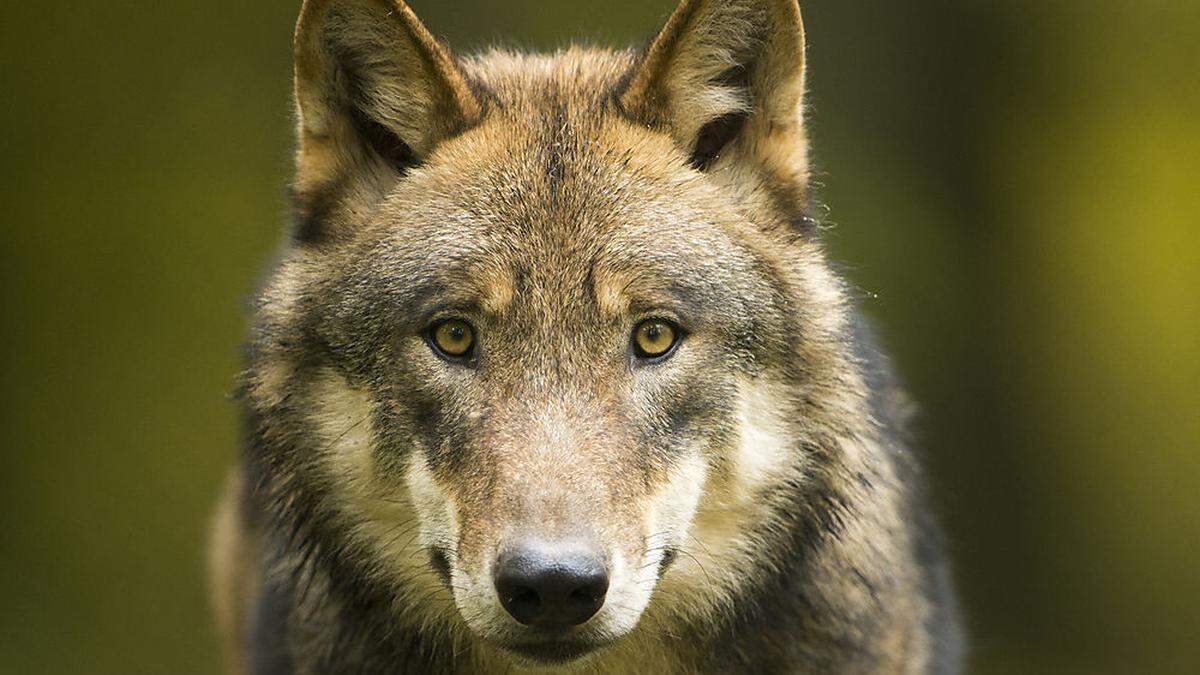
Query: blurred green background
{"points": [[1016, 191]]}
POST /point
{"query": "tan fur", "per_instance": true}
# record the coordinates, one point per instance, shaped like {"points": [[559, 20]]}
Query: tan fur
{"points": [[554, 202], [233, 582]]}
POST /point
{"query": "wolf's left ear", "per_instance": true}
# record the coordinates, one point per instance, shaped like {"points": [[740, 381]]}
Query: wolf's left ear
{"points": [[374, 88], [726, 79]]}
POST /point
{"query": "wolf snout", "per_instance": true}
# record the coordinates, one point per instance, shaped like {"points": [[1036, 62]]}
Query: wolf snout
{"points": [[551, 585]]}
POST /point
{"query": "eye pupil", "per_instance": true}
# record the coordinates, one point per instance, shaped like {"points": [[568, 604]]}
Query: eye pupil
{"points": [[453, 338], [654, 338]]}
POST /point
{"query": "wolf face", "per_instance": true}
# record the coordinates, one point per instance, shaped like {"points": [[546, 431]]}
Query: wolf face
{"points": [[554, 353]]}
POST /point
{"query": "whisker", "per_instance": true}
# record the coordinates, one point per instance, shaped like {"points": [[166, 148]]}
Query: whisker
{"points": [[683, 551]]}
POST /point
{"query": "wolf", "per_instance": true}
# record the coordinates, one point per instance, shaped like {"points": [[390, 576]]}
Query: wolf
{"points": [[554, 374]]}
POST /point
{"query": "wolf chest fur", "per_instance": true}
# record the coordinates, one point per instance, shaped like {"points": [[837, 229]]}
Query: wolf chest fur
{"points": [[554, 374]]}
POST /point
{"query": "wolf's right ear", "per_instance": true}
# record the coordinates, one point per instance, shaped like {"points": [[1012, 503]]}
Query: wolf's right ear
{"points": [[375, 91]]}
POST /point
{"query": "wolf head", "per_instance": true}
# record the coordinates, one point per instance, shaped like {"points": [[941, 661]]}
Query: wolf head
{"points": [[554, 350]]}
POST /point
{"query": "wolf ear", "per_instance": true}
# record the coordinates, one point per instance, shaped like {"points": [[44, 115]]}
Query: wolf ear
{"points": [[726, 79], [373, 87]]}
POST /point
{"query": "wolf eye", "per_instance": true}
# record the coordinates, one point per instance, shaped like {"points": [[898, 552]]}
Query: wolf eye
{"points": [[453, 338], [655, 339]]}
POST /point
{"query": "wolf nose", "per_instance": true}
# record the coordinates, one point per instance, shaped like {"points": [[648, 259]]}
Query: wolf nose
{"points": [[551, 585]]}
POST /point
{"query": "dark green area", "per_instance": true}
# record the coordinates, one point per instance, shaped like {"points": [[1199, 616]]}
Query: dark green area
{"points": [[1015, 188]]}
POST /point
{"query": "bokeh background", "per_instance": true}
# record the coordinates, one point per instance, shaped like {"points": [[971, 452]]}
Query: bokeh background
{"points": [[1015, 189]]}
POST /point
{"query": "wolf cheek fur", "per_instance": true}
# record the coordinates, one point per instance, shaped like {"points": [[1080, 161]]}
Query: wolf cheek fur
{"points": [[460, 458]]}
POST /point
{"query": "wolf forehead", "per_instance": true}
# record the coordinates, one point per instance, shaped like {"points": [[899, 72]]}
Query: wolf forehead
{"points": [[554, 195], [417, 269]]}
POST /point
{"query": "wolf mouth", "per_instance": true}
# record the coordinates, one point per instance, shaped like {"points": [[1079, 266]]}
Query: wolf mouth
{"points": [[553, 652]]}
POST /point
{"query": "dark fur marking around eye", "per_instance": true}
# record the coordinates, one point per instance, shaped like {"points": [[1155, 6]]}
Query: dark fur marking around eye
{"points": [[713, 138]]}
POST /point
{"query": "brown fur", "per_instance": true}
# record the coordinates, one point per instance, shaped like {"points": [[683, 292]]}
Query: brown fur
{"points": [[753, 496]]}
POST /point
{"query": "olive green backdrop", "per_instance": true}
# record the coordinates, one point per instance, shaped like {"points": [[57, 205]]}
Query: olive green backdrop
{"points": [[1015, 188]]}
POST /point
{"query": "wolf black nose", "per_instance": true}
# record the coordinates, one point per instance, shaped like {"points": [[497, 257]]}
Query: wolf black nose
{"points": [[551, 585]]}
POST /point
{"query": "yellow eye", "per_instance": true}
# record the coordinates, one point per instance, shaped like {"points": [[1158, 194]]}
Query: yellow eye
{"points": [[654, 338], [453, 338]]}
